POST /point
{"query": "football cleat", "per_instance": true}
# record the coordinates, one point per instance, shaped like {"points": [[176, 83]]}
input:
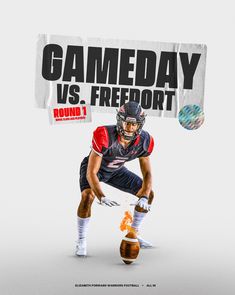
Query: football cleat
{"points": [[144, 244], [81, 248]]}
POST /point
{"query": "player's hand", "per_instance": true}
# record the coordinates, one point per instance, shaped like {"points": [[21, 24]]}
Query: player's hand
{"points": [[143, 203], [107, 202]]}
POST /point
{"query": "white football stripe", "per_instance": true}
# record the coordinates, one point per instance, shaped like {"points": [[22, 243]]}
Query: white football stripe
{"points": [[127, 259], [130, 240]]}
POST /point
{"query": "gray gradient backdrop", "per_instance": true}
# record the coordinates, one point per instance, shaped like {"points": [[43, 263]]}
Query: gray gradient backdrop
{"points": [[192, 220]]}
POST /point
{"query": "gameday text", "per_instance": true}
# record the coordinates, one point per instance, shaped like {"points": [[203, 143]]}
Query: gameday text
{"points": [[117, 75]]}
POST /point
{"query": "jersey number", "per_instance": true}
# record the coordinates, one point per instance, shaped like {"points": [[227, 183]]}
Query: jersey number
{"points": [[115, 163]]}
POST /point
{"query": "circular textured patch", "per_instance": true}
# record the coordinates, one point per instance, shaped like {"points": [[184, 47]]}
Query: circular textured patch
{"points": [[191, 117]]}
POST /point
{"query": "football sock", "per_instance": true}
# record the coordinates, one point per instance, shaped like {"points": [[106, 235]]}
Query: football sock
{"points": [[82, 227], [137, 219]]}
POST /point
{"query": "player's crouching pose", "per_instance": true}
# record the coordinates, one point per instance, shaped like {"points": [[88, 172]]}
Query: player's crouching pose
{"points": [[112, 146]]}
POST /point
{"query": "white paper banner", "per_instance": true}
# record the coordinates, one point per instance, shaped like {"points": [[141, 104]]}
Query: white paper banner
{"points": [[161, 77]]}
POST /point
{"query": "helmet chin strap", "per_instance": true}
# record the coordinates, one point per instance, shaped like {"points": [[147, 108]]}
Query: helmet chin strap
{"points": [[128, 137]]}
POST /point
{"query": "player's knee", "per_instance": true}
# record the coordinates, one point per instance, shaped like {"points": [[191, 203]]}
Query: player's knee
{"points": [[151, 197], [87, 199]]}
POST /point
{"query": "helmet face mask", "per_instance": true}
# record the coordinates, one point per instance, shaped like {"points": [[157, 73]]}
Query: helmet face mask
{"points": [[130, 129], [130, 117]]}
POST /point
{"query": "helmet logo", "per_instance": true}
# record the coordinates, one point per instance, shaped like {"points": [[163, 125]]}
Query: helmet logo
{"points": [[131, 120]]}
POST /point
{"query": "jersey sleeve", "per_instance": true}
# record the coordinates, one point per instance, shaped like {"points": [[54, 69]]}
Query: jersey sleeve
{"points": [[100, 140], [148, 146]]}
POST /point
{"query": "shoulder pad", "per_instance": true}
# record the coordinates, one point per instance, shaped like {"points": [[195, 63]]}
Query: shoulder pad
{"points": [[100, 139]]}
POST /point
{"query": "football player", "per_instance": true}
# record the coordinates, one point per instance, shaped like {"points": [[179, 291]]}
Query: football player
{"points": [[112, 146]]}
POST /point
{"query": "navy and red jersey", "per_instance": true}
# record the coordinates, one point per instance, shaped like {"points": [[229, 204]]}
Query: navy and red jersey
{"points": [[106, 143]]}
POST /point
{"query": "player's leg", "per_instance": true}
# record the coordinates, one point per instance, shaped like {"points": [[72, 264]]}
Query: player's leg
{"points": [[139, 212], [139, 216], [83, 218], [84, 209], [128, 181]]}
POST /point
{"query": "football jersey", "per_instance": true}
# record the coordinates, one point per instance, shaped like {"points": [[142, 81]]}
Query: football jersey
{"points": [[106, 143]]}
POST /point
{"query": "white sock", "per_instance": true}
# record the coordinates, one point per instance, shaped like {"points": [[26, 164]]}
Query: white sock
{"points": [[137, 219], [82, 227]]}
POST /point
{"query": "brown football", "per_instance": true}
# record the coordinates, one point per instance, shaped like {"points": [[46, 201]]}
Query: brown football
{"points": [[129, 248]]}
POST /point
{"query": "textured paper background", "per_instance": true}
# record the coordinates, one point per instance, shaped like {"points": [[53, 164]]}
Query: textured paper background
{"points": [[192, 221]]}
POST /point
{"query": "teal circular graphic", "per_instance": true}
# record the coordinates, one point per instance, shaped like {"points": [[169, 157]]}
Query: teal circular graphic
{"points": [[191, 117]]}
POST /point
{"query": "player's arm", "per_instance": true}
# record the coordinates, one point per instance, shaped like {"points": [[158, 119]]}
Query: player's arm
{"points": [[144, 192], [92, 170], [147, 176]]}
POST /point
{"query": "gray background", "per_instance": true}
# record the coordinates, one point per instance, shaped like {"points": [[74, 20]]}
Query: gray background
{"points": [[192, 220]]}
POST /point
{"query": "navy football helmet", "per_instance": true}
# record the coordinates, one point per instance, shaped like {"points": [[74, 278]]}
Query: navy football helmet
{"points": [[130, 112]]}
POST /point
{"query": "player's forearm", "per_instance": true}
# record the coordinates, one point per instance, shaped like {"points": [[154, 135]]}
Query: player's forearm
{"points": [[147, 184], [95, 184]]}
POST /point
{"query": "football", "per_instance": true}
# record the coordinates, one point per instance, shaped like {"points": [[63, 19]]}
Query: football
{"points": [[129, 248]]}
